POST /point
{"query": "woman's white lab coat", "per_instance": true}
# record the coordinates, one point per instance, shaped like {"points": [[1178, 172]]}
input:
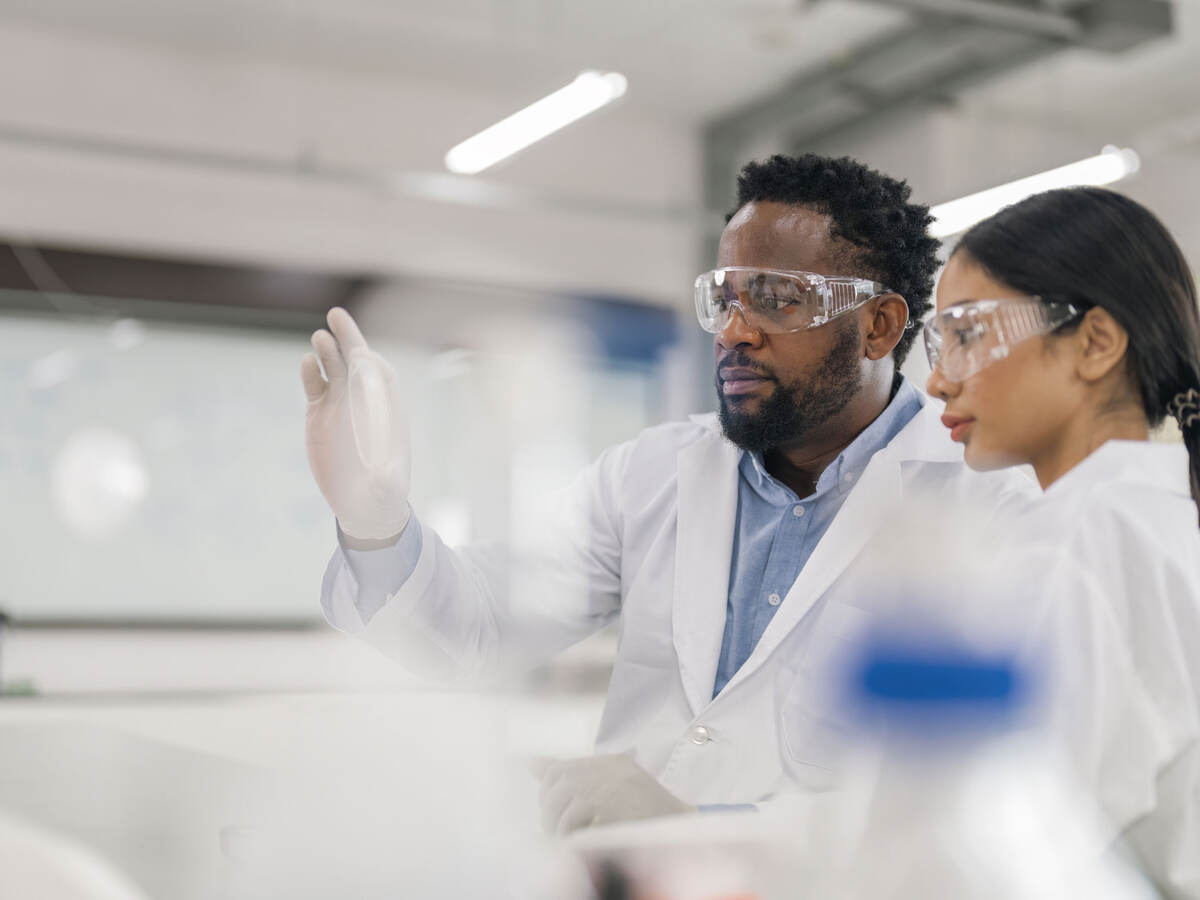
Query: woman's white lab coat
{"points": [[646, 534], [1114, 546]]}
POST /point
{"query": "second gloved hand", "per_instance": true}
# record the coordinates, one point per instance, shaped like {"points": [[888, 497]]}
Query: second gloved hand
{"points": [[356, 432], [600, 790]]}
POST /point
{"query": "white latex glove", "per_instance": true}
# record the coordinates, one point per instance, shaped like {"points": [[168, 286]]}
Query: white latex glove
{"points": [[600, 790], [356, 432]]}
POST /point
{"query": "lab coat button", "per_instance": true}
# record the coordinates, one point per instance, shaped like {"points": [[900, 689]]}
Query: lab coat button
{"points": [[797, 510], [700, 735], [774, 599]]}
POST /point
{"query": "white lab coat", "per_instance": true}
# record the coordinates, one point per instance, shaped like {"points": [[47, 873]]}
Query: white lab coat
{"points": [[646, 533], [1114, 547]]}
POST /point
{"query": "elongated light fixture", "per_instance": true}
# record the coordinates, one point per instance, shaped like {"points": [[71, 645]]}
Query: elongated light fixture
{"points": [[1112, 165], [586, 94]]}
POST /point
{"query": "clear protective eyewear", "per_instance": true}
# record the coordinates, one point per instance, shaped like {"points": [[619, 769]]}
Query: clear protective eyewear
{"points": [[776, 302], [964, 339]]}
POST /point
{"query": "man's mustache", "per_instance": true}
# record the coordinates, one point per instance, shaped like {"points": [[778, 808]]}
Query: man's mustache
{"points": [[738, 360]]}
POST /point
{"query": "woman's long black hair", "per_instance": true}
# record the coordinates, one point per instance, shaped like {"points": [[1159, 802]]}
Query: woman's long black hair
{"points": [[1093, 247]]}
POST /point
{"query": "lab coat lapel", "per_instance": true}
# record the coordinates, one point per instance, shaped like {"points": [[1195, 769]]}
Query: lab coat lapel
{"points": [[878, 491], [708, 485]]}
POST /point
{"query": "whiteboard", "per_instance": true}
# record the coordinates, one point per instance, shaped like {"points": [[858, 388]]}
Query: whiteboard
{"points": [[230, 525]]}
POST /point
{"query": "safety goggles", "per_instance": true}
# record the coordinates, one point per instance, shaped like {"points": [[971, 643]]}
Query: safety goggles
{"points": [[964, 339], [775, 302]]}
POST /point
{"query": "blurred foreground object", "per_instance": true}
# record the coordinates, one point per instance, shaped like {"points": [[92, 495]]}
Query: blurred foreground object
{"points": [[304, 797], [954, 774], [38, 865], [969, 802], [720, 856], [967, 701], [405, 796]]}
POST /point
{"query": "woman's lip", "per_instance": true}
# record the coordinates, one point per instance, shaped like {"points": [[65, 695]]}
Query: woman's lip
{"points": [[958, 425]]}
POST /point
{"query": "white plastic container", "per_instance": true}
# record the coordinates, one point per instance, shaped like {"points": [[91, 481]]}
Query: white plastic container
{"points": [[970, 802]]}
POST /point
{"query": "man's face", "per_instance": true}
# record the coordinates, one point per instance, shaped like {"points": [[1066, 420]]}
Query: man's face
{"points": [[776, 389]]}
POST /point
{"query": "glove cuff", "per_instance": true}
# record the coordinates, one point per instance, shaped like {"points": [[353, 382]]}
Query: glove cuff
{"points": [[387, 532]]}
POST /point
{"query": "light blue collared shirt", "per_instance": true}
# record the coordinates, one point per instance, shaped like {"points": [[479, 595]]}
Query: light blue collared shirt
{"points": [[776, 532]]}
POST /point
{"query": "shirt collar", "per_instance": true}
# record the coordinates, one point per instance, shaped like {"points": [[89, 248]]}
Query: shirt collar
{"points": [[842, 474]]}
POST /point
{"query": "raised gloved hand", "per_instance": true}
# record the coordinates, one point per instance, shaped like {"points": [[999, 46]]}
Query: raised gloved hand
{"points": [[600, 790], [356, 432]]}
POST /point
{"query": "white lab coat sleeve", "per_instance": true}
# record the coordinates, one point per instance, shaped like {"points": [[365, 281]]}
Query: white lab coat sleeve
{"points": [[461, 612], [374, 575]]}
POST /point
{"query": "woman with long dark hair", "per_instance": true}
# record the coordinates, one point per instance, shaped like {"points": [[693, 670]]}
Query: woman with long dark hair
{"points": [[1066, 330]]}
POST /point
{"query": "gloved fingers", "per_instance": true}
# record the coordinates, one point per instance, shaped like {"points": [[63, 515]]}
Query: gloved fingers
{"points": [[314, 382], [555, 796], [331, 357], [346, 330], [579, 813], [540, 766], [370, 363]]}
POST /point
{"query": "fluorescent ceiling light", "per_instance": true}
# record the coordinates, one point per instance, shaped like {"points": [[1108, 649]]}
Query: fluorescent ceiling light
{"points": [[1113, 164], [587, 93]]}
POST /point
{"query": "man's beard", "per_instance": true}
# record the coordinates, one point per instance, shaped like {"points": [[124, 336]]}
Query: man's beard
{"points": [[792, 411]]}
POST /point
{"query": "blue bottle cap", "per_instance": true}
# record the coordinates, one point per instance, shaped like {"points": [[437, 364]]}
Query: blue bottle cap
{"points": [[936, 687]]}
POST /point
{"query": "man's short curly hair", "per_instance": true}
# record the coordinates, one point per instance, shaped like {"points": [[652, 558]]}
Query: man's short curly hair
{"points": [[869, 210]]}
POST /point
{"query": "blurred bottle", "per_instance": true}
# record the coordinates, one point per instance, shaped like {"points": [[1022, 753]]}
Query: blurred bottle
{"points": [[969, 800]]}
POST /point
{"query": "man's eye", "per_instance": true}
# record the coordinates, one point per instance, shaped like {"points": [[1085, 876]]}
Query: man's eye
{"points": [[776, 302]]}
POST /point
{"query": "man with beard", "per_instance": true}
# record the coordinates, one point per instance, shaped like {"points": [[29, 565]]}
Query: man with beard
{"points": [[726, 546]]}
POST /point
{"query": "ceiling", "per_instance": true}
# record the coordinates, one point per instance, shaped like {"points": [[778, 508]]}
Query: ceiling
{"points": [[1149, 92], [685, 59], [690, 63]]}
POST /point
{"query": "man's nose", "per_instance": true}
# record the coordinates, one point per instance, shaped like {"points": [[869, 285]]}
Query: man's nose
{"points": [[737, 332]]}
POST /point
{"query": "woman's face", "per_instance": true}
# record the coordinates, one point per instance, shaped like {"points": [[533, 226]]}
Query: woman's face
{"points": [[1014, 410]]}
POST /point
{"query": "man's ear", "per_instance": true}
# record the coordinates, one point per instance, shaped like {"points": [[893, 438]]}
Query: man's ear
{"points": [[1100, 345], [889, 317]]}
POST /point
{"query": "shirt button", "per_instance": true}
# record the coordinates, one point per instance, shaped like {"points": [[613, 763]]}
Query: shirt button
{"points": [[774, 599], [849, 476], [700, 735], [797, 510]]}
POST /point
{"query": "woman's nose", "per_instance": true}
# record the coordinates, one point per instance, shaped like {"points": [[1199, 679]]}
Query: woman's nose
{"points": [[938, 385]]}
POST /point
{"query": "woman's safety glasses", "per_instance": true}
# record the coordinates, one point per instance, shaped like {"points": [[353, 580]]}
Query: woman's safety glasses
{"points": [[775, 302], [968, 337]]}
